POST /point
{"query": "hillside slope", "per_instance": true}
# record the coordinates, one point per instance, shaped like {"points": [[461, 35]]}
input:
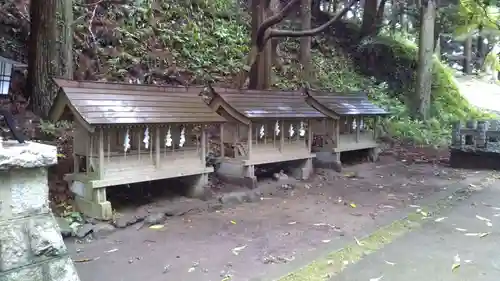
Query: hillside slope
{"points": [[193, 42]]}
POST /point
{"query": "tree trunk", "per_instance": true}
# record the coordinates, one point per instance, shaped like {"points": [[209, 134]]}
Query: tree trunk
{"points": [[42, 52], [425, 59], [481, 48], [468, 55], [305, 42], [260, 73], [65, 11], [369, 17]]}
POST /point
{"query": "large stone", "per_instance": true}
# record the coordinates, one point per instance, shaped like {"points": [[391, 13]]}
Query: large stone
{"points": [[31, 246], [14, 246], [45, 238], [31, 273], [61, 270], [34, 180], [26, 155]]}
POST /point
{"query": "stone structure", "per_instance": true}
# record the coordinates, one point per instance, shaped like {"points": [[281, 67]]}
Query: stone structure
{"points": [[476, 145], [31, 247], [483, 135]]}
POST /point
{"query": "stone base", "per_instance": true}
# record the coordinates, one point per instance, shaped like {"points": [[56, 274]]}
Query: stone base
{"points": [[328, 160], [32, 249], [238, 174], [304, 169], [196, 185], [461, 159], [98, 210], [373, 154]]}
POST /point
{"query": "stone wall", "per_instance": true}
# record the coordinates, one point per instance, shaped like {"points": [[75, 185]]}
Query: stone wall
{"points": [[31, 247]]}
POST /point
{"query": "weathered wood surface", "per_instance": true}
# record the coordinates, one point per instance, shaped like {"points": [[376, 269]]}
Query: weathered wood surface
{"points": [[99, 103]]}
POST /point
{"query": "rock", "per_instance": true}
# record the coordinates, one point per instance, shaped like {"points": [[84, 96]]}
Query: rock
{"points": [[280, 176], [65, 227], [27, 155], [215, 207], [84, 230], [102, 229], [129, 219], [157, 218], [287, 186], [238, 197], [120, 223]]}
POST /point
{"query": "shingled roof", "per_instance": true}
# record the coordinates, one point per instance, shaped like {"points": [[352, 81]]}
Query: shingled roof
{"points": [[343, 105], [100, 103], [265, 103]]}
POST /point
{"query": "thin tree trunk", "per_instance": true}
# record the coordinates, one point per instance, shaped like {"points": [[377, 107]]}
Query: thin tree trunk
{"points": [[65, 10], [305, 42], [369, 17], [425, 62], [42, 64], [468, 55]]}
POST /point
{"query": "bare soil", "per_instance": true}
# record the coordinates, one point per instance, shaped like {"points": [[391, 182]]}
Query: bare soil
{"points": [[289, 223]]}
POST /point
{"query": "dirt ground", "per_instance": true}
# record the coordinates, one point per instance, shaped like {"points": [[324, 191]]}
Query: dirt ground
{"points": [[288, 223]]}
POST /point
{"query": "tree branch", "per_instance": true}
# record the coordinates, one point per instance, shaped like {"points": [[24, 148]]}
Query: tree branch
{"points": [[261, 31], [311, 32]]}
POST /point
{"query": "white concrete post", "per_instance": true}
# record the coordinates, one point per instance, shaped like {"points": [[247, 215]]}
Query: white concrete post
{"points": [[31, 247]]}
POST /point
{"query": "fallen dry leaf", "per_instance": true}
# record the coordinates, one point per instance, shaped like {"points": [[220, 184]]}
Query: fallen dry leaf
{"points": [[390, 263], [461, 229], [326, 241], [292, 223], [440, 219], [358, 242], [377, 279], [233, 222], [85, 260], [456, 263], [157, 226], [482, 218], [111, 251], [236, 251]]}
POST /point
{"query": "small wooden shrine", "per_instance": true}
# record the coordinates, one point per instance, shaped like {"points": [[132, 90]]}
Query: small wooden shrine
{"points": [[130, 133], [265, 127], [348, 127]]}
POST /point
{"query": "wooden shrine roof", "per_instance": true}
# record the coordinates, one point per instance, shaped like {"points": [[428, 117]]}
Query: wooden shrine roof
{"points": [[267, 103], [102, 103], [344, 105]]}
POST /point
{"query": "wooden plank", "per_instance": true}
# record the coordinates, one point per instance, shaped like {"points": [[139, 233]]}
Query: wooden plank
{"points": [[128, 103], [152, 120], [84, 110], [136, 176], [135, 97], [278, 157], [145, 114]]}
